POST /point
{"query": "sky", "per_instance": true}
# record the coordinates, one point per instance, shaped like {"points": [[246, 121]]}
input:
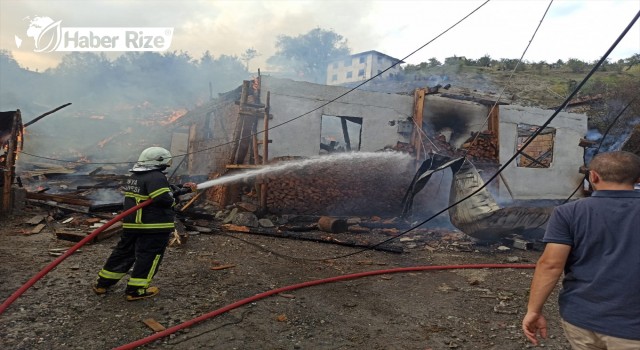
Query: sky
{"points": [[502, 28]]}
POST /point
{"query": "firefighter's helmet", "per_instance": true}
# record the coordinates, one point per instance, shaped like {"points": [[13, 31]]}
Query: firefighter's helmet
{"points": [[153, 158]]}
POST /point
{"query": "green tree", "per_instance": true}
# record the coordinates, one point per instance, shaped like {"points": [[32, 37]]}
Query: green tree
{"points": [[576, 65], [484, 61], [433, 62], [632, 61], [510, 63], [308, 55]]}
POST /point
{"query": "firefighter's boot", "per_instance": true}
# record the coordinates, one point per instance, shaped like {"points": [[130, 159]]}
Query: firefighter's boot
{"points": [[141, 293]]}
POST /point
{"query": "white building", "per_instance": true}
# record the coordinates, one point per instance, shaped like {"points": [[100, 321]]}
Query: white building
{"points": [[361, 66]]}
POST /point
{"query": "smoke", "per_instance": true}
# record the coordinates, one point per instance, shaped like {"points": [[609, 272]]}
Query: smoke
{"points": [[106, 196], [119, 107], [593, 135]]}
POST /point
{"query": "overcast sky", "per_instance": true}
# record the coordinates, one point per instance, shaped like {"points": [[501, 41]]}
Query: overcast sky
{"points": [[502, 28]]}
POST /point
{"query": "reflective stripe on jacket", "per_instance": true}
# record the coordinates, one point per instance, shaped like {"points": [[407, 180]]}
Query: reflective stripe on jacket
{"points": [[155, 217]]}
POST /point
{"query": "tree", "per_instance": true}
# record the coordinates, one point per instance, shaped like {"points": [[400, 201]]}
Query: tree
{"points": [[509, 63], [433, 62], [632, 61], [576, 65], [484, 61], [308, 55], [248, 55]]}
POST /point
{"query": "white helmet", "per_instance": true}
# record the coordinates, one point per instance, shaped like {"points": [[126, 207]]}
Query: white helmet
{"points": [[153, 158]]}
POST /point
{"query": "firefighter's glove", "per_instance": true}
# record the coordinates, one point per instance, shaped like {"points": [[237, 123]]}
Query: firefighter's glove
{"points": [[192, 186]]}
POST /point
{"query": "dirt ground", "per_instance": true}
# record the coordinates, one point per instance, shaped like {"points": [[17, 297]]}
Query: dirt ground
{"points": [[452, 309]]}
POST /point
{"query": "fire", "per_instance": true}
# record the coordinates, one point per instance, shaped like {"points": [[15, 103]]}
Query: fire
{"points": [[102, 143], [17, 147], [175, 115], [20, 139]]}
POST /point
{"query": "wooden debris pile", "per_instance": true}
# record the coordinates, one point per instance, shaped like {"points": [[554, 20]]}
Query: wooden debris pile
{"points": [[485, 146], [70, 227], [353, 187]]}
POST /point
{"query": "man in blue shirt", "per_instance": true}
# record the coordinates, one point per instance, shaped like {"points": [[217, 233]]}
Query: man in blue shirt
{"points": [[595, 241]]}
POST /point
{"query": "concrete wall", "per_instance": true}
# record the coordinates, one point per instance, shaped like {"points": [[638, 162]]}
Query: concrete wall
{"points": [[460, 117], [562, 177], [301, 137]]}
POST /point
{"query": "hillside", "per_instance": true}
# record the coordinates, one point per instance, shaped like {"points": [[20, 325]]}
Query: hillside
{"points": [[605, 95]]}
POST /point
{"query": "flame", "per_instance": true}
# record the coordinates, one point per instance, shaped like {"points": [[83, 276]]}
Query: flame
{"points": [[175, 115], [19, 139], [102, 143]]}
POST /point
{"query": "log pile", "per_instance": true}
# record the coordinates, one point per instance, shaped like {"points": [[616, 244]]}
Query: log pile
{"points": [[485, 146], [346, 187]]}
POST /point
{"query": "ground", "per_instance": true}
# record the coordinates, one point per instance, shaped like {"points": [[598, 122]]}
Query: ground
{"points": [[449, 309]]}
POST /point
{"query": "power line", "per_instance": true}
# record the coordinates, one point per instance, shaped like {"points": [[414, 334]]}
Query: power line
{"points": [[304, 114], [510, 76], [519, 151]]}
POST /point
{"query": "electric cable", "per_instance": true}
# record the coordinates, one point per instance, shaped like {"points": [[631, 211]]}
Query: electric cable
{"points": [[586, 176], [301, 115], [519, 151], [509, 79], [438, 190]]}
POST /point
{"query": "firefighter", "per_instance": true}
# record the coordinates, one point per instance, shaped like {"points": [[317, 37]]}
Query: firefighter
{"points": [[146, 232]]}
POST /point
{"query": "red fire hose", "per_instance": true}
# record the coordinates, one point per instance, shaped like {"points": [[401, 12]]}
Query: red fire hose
{"points": [[263, 295], [239, 303], [70, 251]]}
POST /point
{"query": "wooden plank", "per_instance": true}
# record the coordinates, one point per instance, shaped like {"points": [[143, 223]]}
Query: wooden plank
{"points": [[264, 187], [59, 199], [244, 166], [9, 165], [153, 324], [76, 209], [191, 157], [418, 108], [35, 220], [494, 126], [38, 228], [222, 267], [77, 236]]}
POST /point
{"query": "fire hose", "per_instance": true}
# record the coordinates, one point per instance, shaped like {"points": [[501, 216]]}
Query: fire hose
{"points": [[239, 303], [263, 295], [70, 251]]}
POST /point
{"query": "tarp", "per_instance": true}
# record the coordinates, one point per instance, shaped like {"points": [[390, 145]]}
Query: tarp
{"points": [[479, 216]]}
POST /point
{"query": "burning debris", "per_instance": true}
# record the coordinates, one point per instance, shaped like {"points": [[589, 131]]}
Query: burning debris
{"points": [[11, 142], [253, 181]]}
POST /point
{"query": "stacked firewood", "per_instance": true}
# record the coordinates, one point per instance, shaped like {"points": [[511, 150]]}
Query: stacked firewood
{"points": [[346, 187], [482, 145]]}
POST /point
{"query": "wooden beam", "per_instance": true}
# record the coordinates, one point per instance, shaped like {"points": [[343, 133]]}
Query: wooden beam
{"points": [[244, 166], [494, 126], [418, 109], [191, 148], [265, 151], [59, 199], [345, 133], [10, 163]]}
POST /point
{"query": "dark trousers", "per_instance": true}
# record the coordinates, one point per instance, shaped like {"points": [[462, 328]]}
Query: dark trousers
{"points": [[143, 251]]}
